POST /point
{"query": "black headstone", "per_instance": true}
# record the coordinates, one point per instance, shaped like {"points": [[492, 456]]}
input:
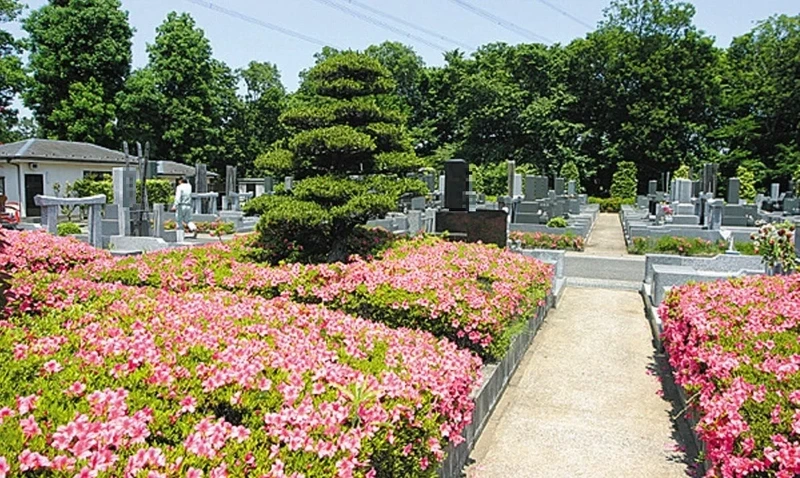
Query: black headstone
{"points": [[456, 174]]}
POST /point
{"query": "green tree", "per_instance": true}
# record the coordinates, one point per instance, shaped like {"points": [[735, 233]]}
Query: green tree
{"points": [[646, 86], [569, 171], [624, 182], [747, 183], [256, 124], [761, 100], [342, 126], [12, 75], [80, 57], [184, 100]]}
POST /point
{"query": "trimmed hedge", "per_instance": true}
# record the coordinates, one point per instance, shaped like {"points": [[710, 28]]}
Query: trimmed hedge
{"points": [[613, 204]]}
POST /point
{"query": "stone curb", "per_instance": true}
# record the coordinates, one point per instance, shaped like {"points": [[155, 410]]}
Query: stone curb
{"points": [[495, 381]]}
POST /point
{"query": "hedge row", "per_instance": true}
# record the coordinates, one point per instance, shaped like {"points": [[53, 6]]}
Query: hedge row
{"points": [[734, 348]]}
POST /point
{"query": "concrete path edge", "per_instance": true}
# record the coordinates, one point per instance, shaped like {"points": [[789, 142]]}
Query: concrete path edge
{"points": [[495, 382]]}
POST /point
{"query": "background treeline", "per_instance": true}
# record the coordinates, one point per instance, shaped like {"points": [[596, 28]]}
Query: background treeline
{"points": [[646, 87]]}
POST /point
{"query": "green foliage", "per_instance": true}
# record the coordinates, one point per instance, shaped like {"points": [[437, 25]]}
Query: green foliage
{"points": [[67, 228], [158, 190], [747, 183], [684, 246], [343, 124], [624, 182], [569, 171], [557, 222], [775, 244], [682, 172], [80, 57], [611, 204], [539, 240], [490, 179], [12, 74]]}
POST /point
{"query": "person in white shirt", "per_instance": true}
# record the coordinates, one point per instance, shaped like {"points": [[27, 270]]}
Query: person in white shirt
{"points": [[183, 206]]}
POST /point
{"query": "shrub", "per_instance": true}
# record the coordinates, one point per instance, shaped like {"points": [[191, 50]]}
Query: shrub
{"points": [[747, 183], [685, 246], [539, 240], [624, 181], [775, 244], [35, 251], [67, 228], [569, 171], [471, 294], [557, 222], [127, 381], [613, 204], [158, 190], [682, 172], [733, 348]]}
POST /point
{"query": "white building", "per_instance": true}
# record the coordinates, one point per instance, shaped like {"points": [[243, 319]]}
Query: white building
{"points": [[34, 166]]}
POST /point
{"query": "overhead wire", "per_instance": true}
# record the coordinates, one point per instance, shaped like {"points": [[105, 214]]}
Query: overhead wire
{"points": [[566, 14], [412, 25], [376, 22], [256, 21], [508, 25]]}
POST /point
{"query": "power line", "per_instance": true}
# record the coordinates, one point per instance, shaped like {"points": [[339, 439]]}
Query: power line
{"points": [[503, 23], [565, 13], [368, 8], [256, 21], [369, 19]]}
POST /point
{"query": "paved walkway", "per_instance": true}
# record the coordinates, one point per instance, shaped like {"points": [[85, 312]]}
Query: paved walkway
{"points": [[606, 238], [582, 402]]}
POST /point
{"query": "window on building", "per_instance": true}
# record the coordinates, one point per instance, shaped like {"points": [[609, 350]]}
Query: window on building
{"points": [[96, 175]]}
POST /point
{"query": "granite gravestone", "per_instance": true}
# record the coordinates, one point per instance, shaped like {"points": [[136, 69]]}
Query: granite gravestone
{"points": [[652, 187], [124, 182], [733, 190], [200, 178], [540, 187], [572, 188], [512, 170], [456, 174], [559, 186]]}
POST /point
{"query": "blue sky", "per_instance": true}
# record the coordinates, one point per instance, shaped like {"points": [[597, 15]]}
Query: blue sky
{"points": [[237, 42]]}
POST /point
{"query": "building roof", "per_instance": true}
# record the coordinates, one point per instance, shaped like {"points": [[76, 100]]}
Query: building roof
{"points": [[173, 169], [52, 150]]}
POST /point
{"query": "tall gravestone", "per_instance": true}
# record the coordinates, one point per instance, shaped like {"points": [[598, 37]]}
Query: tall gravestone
{"points": [[269, 185], [710, 178], [683, 191], [541, 187], [200, 178], [518, 180], [775, 191], [572, 188], [456, 174], [124, 183], [559, 186], [512, 170], [733, 190], [652, 187]]}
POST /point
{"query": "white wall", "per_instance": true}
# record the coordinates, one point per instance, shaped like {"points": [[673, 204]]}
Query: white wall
{"points": [[54, 172]]}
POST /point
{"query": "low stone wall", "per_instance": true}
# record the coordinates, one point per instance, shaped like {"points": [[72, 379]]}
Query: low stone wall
{"points": [[495, 380], [557, 259], [720, 263]]}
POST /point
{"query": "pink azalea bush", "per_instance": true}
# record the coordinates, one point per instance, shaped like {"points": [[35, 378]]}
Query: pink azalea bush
{"points": [[39, 251], [102, 379], [734, 348], [471, 294], [475, 295]]}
